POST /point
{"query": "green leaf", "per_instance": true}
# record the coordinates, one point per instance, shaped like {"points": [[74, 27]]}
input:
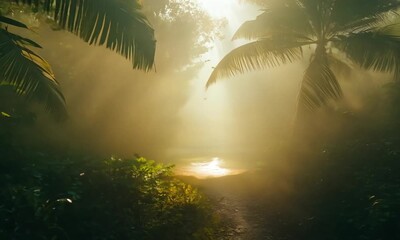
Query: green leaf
{"points": [[351, 15], [118, 25], [12, 22], [377, 49], [255, 56], [29, 73], [5, 114]]}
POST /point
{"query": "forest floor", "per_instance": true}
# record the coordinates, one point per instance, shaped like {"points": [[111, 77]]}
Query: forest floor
{"points": [[232, 197]]}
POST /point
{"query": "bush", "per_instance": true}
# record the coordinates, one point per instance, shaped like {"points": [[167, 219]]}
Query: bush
{"points": [[48, 196]]}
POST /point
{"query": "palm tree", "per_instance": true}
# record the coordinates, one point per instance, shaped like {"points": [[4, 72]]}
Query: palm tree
{"points": [[119, 25], [361, 31]]}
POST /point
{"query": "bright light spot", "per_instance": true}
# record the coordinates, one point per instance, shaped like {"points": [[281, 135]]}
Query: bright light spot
{"points": [[208, 169], [212, 168], [217, 8]]}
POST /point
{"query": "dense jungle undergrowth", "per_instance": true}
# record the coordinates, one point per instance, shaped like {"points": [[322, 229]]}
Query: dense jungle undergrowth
{"points": [[49, 195]]}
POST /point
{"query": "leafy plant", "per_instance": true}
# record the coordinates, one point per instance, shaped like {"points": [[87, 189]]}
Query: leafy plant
{"points": [[47, 196]]}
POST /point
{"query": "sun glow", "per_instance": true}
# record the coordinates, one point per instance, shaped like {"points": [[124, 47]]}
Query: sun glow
{"points": [[213, 168], [207, 109], [217, 8]]}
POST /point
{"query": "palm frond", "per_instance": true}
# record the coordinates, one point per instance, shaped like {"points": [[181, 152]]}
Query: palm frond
{"points": [[377, 49], [29, 73], [282, 17], [255, 56], [319, 84], [254, 29], [11, 21], [117, 24], [356, 15], [364, 24]]}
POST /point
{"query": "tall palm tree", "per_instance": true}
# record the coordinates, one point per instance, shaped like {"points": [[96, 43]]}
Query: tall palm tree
{"points": [[362, 31], [117, 24]]}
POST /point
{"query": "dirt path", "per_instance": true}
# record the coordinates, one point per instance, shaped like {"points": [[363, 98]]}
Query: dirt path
{"points": [[240, 218], [239, 222]]}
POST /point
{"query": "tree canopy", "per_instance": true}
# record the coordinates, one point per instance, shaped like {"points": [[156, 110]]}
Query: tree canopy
{"points": [[365, 32]]}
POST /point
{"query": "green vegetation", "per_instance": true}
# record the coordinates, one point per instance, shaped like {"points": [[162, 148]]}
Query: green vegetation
{"points": [[336, 180], [51, 196], [48, 194]]}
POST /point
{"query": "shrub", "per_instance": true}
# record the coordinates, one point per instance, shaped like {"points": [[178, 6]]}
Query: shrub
{"points": [[48, 196]]}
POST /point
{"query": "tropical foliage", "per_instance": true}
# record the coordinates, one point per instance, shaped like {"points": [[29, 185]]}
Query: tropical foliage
{"points": [[339, 32], [53, 196], [29, 74], [118, 25]]}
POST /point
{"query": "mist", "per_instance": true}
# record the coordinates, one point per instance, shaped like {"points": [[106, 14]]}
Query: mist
{"points": [[203, 145], [167, 114]]}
